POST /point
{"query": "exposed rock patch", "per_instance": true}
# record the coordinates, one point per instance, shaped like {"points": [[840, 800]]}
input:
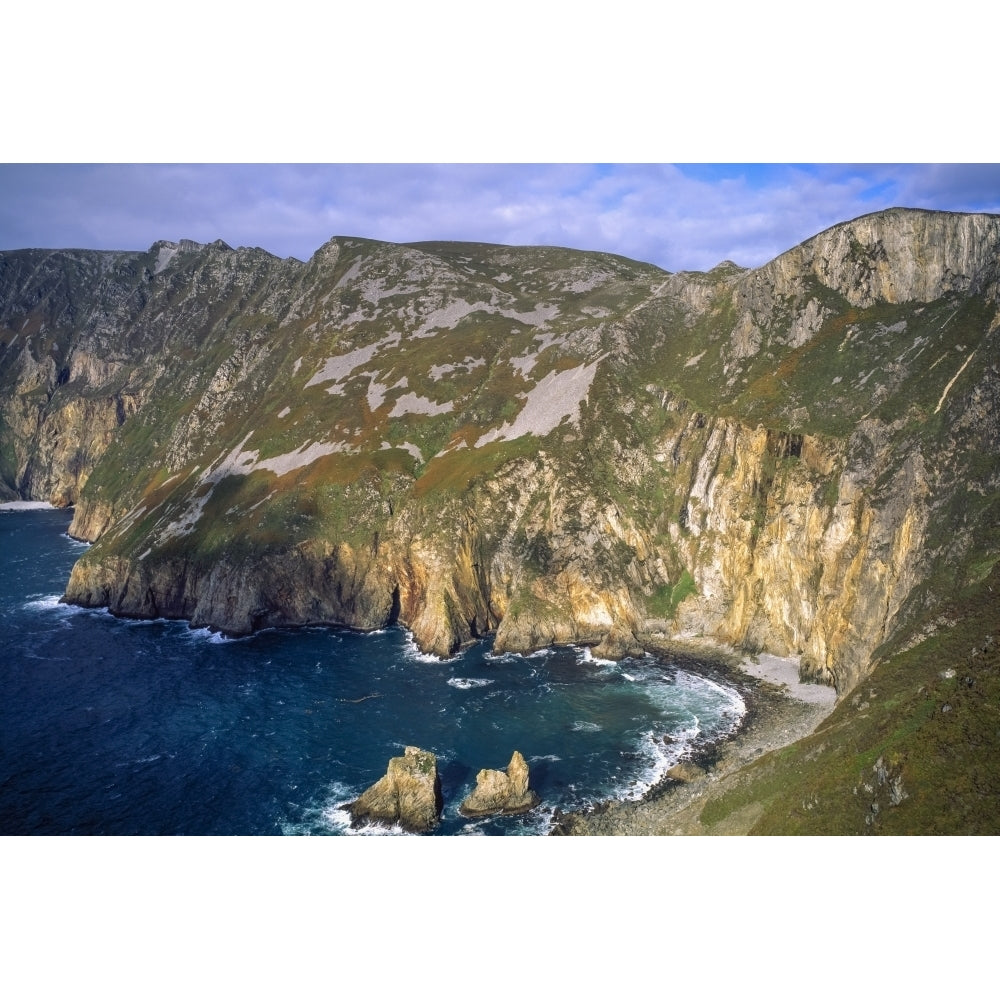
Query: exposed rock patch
{"points": [[409, 794], [686, 771]]}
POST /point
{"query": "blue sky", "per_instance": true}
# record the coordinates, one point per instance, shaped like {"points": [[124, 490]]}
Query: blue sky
{"points": [[686, 216], [180, 126]]}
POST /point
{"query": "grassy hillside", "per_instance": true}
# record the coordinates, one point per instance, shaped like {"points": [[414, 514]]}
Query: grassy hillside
{"points": [[913, 750]]}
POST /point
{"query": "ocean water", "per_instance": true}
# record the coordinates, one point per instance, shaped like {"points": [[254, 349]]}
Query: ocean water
{"points": [[110, 726]]}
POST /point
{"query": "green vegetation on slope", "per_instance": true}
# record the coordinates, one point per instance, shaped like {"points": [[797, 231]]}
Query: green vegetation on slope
{"points": [[913, 750]]}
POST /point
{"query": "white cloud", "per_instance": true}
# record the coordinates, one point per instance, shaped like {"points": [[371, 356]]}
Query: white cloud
{"points": [[680, 217]]}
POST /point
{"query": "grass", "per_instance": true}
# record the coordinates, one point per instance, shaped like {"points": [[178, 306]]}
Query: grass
{"points": [[667, 598], [457, 471]]}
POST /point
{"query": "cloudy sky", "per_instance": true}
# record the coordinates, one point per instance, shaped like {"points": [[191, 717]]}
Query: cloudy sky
{"points": [[126, 98], [677, 216]]}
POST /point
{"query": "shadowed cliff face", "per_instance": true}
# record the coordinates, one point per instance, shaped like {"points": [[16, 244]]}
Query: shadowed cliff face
{"points": [[553, 445]]}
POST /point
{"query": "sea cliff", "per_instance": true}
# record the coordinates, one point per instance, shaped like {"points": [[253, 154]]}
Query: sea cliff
{"points": [[545, 444]]}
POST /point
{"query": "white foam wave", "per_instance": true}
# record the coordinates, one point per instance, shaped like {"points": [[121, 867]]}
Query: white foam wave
{"points": [[662, 754], [78, 542], [537, 823], [709, 696], [328, 817], [466, 683], [51, 604], [473, 828], [502, 657], [538, 654], [132, 622], [210, 636], [688, 734], [413, 652], [696, 698], [584, 655], [659, 758], [581, 726], [377, 830], [656, 757]]}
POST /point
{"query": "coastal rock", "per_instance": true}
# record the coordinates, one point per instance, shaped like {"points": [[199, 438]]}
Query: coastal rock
{"points": [[409, 794], [686, 771], [501, 792], [617, 644]]}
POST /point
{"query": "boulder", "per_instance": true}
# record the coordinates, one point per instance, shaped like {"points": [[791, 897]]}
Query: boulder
{"points": [[409, 794], [501, 792], [617, 644], [686, 771]]}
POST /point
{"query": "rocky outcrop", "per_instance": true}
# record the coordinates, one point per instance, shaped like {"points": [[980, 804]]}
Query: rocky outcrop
{"points": [[501, 792], [685, 771], [897, 256], [409, 795], [789, 550]]}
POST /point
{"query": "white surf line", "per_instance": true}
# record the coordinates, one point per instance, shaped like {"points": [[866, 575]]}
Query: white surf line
{"points": [[954, 380]]}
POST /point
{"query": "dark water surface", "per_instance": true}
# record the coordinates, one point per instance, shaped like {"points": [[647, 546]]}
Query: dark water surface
{"points": [[110, 726]]}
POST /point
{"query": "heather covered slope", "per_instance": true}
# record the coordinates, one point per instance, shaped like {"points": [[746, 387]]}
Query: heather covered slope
{"points": [[556, 445]]}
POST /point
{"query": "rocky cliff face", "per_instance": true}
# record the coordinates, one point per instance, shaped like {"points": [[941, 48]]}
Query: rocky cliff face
{"points": [[550, 445], [86, 335]]}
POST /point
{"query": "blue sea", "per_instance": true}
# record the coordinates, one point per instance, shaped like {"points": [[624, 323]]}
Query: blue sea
{"points": [[112, 726]]}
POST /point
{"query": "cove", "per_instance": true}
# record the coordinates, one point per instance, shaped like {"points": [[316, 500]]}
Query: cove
{"points": [[118, 727]]}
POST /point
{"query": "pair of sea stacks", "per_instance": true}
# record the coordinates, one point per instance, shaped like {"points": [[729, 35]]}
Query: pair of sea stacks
{"points": [[410, 793]]}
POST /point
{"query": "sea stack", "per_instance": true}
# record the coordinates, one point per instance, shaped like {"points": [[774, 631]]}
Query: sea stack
{"points": [[501, 792], [409, 794]]}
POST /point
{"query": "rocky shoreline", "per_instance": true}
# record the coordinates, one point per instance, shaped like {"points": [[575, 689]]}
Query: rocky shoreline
{"points": [[780, 711]]}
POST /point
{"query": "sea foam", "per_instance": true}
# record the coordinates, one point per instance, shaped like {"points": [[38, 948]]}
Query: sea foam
{"points": [[584, 655], [52, 604], [413, 652], [465, 683]]}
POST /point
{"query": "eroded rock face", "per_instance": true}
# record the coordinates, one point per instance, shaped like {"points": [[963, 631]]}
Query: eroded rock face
{"points": [[86, 335], [501, 792], [409, 794]]}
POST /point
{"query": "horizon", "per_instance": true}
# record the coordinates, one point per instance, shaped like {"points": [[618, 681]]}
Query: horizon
{"points": [[680, 217]]}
